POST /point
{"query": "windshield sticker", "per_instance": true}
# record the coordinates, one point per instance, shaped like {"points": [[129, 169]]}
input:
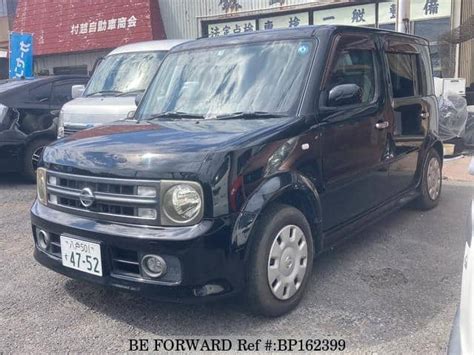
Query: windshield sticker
{"points": [[303, 49]]}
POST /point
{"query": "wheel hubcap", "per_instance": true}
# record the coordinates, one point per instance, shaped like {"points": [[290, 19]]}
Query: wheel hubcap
{"points": [[36, 157], [287, 262], [434, 178]]}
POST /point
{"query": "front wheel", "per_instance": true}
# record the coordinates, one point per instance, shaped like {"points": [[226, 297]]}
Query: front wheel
{"points": [[281, 261], [32, 156], [430, 188]]}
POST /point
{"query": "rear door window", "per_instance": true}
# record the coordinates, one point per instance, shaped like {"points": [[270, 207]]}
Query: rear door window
{"points": [[406, 90], [61, 93], [40, 94], [403, 74]]}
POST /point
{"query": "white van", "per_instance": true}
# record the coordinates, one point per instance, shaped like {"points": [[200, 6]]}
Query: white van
{"points": [[110, 94]]}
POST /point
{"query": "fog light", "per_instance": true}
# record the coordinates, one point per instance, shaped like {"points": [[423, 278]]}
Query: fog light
{"points": [[154, 266], [43, 239]]}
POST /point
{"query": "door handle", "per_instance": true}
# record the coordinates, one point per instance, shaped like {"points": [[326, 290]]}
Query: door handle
{"points": [[382, 125], [424, 115]]}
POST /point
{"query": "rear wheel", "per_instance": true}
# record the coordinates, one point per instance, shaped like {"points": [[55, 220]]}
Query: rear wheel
{"points": [[430, 188], [32, 156], [281, 260]]}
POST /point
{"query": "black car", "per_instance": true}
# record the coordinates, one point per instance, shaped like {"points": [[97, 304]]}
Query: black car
{"points": [[249, 155], [27, 119]]}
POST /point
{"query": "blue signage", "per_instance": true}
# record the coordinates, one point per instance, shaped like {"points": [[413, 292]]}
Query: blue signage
{"points": [[21, 55]]}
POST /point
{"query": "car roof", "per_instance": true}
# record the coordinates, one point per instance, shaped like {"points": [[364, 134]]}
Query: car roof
{"points": [[291, 33], [148, 46], [12, 84]]}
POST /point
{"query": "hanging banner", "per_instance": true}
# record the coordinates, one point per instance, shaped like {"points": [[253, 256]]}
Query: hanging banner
{"points": [[285, 21], [21, 55], [227, 28], [428, 9], [387, 12], [359, 15]]}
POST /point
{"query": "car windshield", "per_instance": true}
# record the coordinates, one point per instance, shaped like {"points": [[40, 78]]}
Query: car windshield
{"points": [[263, 78], [124, 73]]}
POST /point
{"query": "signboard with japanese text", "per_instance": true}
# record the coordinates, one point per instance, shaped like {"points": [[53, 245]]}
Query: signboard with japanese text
{"points": [[285, 21], [359, 15], [21, 55], [387, 12], [102, 25], [427, 9], [227, 28], [83, 25]]}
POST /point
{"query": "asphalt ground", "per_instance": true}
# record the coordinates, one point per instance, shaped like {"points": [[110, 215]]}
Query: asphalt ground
{"points": [[393, 288]]}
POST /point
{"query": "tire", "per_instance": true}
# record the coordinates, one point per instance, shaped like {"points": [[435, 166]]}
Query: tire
{"points": [[259, 295], [31, 157], [429, 198]]}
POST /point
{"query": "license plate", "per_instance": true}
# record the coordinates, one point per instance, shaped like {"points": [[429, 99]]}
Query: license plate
{"points": [[81, 255]]}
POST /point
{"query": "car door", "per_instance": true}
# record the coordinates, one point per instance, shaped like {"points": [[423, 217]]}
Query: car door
{"points": [[353, 135], [411, 112]]}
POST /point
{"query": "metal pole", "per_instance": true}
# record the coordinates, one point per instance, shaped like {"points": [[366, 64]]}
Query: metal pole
{"points": [[403, 16]]}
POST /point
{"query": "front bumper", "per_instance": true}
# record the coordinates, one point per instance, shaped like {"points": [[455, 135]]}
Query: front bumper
{"points": [[204, 266]]}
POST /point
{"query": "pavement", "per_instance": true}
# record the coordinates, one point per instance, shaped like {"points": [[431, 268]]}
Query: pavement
{"points": [[393, 288], [458, 168]]}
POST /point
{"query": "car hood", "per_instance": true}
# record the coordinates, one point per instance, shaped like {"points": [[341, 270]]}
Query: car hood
{"points": [[143, 149], [97, 110]]}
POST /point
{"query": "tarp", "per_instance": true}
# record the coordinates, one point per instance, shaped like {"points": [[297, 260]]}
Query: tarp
{"points": [[452, 117]]}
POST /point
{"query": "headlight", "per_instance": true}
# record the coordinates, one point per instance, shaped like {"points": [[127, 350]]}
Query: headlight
{"points": [[182, 203], [41, 185], [61, 125]]}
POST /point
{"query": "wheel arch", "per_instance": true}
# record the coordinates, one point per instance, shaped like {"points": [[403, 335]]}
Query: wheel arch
{"points": [[290, 188]]}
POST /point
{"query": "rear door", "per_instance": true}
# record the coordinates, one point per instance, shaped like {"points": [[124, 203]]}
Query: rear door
{"points": [[411, 112]]}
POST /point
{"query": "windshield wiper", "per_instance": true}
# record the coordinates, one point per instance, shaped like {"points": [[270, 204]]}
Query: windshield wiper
{"points": [[132, 92], [250, 115], [174, 114], [116, 92]]}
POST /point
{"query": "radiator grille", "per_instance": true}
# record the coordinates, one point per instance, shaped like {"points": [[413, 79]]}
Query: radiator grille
{"points": [[120, 200]]}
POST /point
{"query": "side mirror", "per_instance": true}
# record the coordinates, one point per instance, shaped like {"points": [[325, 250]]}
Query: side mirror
{"points": [[344, 94], [139, 99], [131, 115], [77, 91]]}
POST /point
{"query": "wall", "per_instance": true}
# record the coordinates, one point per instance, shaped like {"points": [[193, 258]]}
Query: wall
{"points": [[66, 26], [49, 62]]}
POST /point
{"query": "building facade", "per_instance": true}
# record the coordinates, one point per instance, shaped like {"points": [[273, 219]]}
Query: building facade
{"points": [[7, 16], [71, 34], [428, 18]]}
